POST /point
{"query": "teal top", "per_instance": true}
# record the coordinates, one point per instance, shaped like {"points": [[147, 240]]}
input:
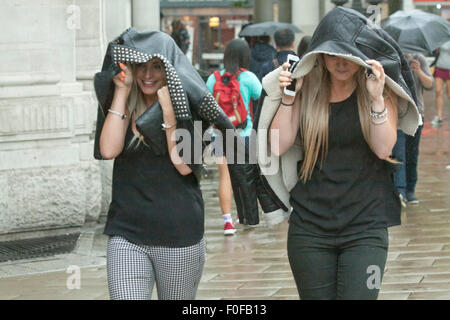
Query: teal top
{"points": [[250, 88]]}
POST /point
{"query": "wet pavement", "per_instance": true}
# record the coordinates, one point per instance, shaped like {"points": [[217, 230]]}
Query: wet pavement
{"points": [[253, 263]]}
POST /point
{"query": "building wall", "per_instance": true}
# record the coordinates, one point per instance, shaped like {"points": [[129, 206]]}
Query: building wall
{"points": [[48, 177], [307, 14]]}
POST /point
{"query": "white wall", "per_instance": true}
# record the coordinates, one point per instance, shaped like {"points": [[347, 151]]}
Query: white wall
{"points": [[145, 14], [48, 177], [305, 15]]}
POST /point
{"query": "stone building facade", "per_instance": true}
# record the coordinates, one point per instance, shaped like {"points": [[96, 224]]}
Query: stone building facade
{"points": [[50, 53]]}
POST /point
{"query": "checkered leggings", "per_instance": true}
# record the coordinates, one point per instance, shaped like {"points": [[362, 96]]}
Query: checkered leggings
{"points": [[133, 270]]}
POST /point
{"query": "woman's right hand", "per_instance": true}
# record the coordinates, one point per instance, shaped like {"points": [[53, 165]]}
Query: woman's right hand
{"points": [[123, 79], [285, 80]]}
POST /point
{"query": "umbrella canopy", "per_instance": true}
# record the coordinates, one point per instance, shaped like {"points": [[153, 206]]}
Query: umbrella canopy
{"points": [[267, 29], [417, 31]]}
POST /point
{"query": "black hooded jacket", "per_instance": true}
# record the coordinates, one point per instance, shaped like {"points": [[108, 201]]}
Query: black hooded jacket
{"points": [[346, 33]]}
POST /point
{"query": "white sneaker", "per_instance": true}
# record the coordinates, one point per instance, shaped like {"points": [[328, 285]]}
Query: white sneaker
{"points": [[402, 200], [436, 121]]}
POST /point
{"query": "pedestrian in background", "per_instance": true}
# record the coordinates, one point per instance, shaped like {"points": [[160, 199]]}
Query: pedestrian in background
{"points": [[303, 46], [261, 52], [236, 62], [281, 58], [180, 35], [406, 149], [284, 43], [442, 79]]}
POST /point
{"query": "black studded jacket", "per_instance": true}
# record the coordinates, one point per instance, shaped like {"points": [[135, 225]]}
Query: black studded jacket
{"points": [[194, 106]]}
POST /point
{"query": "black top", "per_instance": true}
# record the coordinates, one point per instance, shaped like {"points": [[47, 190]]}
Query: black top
{"points": [[152, 203], [354, 189]]}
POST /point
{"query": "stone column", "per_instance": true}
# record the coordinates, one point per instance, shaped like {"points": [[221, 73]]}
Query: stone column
{"points": [[145, 14], [117, 17], [285, 11], [263, 11], [91, 40], [48, 178], [305, 15]]}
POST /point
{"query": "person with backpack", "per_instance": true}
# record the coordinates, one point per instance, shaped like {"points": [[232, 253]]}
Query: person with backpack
{"points": [[233, 88]]}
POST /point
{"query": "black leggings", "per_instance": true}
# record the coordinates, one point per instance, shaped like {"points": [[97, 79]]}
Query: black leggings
{"points": [[342, 267]]}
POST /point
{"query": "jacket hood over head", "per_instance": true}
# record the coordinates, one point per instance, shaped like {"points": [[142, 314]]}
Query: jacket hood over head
{"points": [[346, 33], [187, 89]]}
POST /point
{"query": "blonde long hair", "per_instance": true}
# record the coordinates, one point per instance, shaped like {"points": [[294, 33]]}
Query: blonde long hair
{"points": [[315, 111]]}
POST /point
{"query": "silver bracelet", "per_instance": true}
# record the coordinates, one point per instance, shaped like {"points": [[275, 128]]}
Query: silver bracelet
{"points": [[378, 115], [379, 122], [167, 126], [121, 115]]}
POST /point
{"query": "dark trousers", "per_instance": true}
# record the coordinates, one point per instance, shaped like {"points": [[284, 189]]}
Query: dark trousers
{"points": [[340, 267], [406, 151]]}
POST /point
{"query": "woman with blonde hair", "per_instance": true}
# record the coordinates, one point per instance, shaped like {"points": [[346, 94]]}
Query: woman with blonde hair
{"points": [[338, 131], [146, 246], [147, 89], [341, 185]]}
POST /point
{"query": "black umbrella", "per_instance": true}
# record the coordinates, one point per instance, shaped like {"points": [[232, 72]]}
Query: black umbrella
{"points": [[417, 31], [267, 29]]}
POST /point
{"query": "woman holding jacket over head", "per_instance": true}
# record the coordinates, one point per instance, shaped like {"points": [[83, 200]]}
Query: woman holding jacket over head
{"points": [[338, 131], [340, 170], [155, 220], [146, 90]]}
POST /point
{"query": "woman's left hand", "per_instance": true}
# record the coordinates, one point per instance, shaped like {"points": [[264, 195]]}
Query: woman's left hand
{"points": [[164, 98], [375, 85]]}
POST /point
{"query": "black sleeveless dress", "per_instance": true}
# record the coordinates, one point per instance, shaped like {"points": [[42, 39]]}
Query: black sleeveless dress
{"points": [[152, 203], [353, 191]]}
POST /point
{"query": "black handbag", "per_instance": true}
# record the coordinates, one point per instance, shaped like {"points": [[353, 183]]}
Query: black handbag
{"points": [[149, 125]]}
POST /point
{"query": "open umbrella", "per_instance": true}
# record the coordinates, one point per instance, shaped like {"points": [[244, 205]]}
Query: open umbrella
{"points": [[267, 29], [417, 31]]}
